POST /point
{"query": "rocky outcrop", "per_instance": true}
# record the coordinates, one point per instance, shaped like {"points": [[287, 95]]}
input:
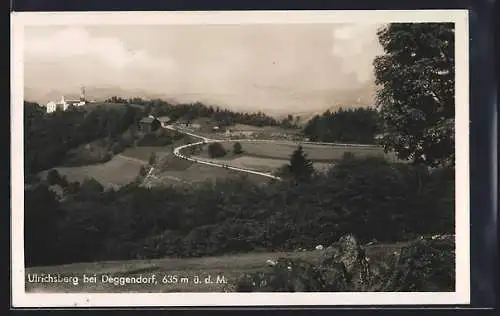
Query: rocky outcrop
{"points": [[427, 264]]}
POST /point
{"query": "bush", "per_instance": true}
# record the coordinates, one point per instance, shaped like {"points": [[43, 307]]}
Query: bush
{"points": [[143, 171], [157, 138], [424, 265], [152, 159], [41, 215], [237, 149], [284, 172], [216, 150], [117, 147], [91, 186], [73, 188], [348, 156], [32, 179], [53, 177]]}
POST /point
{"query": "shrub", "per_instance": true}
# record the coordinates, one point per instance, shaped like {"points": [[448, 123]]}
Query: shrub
{"points": [[284, 172], [423, 265], [348, 156], [73, 187], [152, 159], [32, 178], [91, 186], [237, 149], [41, 215], [427, 265], [53, 177], [157, 138], [216, 150], [143, 171], [117, 147]]}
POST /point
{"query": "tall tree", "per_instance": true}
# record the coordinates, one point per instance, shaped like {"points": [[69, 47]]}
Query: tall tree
{"points": [[300, 166], [417, 88]]}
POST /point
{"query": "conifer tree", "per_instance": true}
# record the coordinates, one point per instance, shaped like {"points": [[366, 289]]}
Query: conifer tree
{"points": [[300, 166]]}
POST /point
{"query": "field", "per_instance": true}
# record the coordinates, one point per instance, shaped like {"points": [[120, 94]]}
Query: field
{"points": [[120, 170], [261, 164], [258, 129], [191, 173], [144, 153], [227, 268], [267, 157], [116, 172], [316, 153]]}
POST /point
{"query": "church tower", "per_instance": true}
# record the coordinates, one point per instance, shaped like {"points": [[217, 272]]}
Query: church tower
{"points": [[82, 94]]}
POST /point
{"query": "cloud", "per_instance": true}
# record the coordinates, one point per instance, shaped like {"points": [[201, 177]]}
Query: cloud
{"points": [[356, 45], [78, 42], [265, 67]]}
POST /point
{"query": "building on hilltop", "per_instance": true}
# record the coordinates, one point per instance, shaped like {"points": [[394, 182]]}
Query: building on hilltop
{"points": [[164, 121], [149, 124], [63, 104]]}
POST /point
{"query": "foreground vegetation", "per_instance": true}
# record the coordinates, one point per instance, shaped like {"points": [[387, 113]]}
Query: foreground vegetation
{"points": [[429, 264], [363, 196], [426, 264]]}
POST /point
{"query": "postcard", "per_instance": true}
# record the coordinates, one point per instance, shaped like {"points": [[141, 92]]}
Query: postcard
{"points": [[240, 158]]}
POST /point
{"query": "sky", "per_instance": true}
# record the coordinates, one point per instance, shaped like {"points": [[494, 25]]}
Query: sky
{"points": [[276, 68]]}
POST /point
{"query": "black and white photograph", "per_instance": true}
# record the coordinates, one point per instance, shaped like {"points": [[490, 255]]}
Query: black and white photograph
{"points": [[188, 158]]}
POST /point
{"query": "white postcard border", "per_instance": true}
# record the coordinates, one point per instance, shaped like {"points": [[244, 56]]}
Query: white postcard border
{"points": [[22, 299]]}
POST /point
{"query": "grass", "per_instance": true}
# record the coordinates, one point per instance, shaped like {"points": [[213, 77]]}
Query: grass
{"points": [[198, 173], [230, 267], [263, 129], [116, 172], [143, 153], [283, 151], [265, 164]]}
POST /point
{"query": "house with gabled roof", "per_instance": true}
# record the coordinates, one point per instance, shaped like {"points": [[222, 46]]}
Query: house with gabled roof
{"points": [[149, 124]]}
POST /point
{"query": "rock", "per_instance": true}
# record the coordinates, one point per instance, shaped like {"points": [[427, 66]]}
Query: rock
{"points": [[349, 251], [423, 265], [330, 252], [319, 247], [346, 263]]}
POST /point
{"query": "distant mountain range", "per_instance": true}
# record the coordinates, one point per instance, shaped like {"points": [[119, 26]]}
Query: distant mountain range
{"points": [[97, 93], [304, 104]]}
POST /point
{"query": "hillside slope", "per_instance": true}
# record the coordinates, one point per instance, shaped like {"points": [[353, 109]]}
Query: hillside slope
{"points": [[390, 264]]}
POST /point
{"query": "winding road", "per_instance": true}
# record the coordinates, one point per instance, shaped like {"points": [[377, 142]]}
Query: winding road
{"points": [[205, 140]]}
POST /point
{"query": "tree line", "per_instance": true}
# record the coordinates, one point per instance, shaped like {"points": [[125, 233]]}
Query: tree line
{"points": [[190, 111], [360, 125], [364, 196], [48, 137]]}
